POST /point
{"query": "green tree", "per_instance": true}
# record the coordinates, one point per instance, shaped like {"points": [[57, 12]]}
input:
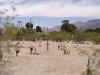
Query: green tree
{"points": [[38, 29], [66, 27], [90, 30], [65, 21], [1, 30], [97, 30], [71, 28], [29, 26]]}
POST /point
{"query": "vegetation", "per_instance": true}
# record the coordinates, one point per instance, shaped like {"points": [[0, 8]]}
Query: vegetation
{"points": [[29, 26], [66, 27], [68, 32], [11, 31], [17, 48], [93, 30], [38, 29]]}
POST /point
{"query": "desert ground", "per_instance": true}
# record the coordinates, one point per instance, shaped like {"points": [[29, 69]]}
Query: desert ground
{"points": [[51, 61]]}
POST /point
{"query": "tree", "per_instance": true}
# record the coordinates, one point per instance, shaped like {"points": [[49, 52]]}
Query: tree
{"points": [[93, 30], [66, 27], [65, 21], [71, 27], [29, 26], [90, 30], [97, 30], [38, 29], [1, 30]]}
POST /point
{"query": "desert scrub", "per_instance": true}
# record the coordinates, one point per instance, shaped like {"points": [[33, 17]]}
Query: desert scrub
{"points": [[93, 65], [7, 52], [83, 52], [95, 62], [17, 47]]}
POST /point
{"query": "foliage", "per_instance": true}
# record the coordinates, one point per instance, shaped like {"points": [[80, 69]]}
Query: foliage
{"points": [[66, 27], [10, 31], [7, 51], [38, 29], [1, 31], [65, 21], [17, 47], [87, 36], [68, 32], [93, 30], [97, 30], [59, 36], [29, 26], [89, 30]]}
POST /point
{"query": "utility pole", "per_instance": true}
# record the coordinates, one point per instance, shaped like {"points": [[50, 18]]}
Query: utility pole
{"points": [[47, 41]]}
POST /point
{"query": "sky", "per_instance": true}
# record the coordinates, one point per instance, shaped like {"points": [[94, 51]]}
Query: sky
{"points": [[53, 8], [51, 12]]}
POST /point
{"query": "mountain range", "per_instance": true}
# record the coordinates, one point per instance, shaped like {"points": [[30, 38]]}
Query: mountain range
{"points": [[90, 24]]}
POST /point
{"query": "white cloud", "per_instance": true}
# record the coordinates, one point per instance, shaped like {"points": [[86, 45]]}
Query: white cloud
{"points": [[14, 1], [57, 9], [89, 2], [3, 0], [17, 1], [52, 9]]}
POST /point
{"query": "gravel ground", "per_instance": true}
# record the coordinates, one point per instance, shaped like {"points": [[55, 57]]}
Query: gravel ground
{"points": [[51, 62], [49, 65], [4, 70]]}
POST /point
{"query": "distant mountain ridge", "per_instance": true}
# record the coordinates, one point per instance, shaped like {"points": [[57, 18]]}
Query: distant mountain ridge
{"points": [[90, 24]]}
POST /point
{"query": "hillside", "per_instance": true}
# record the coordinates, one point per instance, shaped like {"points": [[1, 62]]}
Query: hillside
{"points": [[90, 24]]}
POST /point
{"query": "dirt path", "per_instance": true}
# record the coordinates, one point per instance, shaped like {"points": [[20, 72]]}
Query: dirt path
{"points": [[49, 65], [4, 70], [51, 62]]}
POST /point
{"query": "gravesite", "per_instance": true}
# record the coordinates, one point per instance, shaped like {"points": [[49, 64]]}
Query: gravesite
{"points": [[49, 37]]}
